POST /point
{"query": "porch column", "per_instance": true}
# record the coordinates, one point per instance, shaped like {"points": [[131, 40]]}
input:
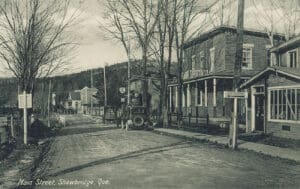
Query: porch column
{"points": [[246, 111], [188, 103], [252, 109], [215, 92], [176, 96], [215, 96], [205, 93], [183, 96], [170, 100]]}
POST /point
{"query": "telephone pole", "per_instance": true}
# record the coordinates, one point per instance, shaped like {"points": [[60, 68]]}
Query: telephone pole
{"points": [[104, 80], [49, 99], [237, 69], [92, 83]]}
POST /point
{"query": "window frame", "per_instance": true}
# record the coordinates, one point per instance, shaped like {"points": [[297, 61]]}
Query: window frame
{"points": [[296, 88], [193, 63], [202, 60], [212, 59], [295, 58], [250, 64]]}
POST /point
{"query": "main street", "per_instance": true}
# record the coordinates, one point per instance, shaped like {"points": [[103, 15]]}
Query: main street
{"points": [[89, 155]]}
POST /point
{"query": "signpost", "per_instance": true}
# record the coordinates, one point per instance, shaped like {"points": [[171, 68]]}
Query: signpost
{"points": [[25, 101], [235, 95], [122, 90]]}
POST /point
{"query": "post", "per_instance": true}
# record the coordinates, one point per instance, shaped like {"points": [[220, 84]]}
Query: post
{"points": [[234, 124], [105, 97], [12, 126], [25, 117], [128, 82], [91, 92], [49, 98], [237, 66], [105, 92]]}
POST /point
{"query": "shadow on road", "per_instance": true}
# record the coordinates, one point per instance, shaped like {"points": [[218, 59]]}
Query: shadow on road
{"points": [[159, 149], [82, 130]]}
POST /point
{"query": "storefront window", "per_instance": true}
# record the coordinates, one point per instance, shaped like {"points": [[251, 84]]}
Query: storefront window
{"points": [[285, 104]]}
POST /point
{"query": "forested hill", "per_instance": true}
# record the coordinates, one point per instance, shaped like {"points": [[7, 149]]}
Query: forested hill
{"points": [[116, 76]]}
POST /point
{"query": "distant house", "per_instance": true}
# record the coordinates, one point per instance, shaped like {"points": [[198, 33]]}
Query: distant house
{"points": [[73, 103], [208, 71], [88, 102], [275, 93]]}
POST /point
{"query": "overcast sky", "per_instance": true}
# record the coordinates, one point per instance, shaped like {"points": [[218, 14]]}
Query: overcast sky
{"points": [[93, 51]]}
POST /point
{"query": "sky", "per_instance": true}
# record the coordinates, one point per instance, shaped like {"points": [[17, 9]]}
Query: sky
{"points": [[94, 51]]}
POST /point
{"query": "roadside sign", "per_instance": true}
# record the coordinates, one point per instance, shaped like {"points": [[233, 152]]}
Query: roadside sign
{"points": [[235, 94], [122, 90], [28, 100]]}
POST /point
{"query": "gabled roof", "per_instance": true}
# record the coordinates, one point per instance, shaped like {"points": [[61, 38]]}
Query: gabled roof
{"points": [[294, 42], [290, 72], [75, 95]]}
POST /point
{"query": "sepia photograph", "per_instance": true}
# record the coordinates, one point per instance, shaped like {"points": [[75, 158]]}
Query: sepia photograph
{"points": [[149, 94]]}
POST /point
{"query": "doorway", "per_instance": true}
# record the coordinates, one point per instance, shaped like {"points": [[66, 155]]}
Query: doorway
{"points": [[259, 112], [258, 108]]}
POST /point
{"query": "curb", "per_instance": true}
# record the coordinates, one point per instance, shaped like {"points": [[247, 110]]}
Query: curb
{"points": [[217, 143]]}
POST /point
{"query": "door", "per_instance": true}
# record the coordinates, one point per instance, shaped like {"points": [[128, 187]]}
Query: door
{"points": [[259, 112]]}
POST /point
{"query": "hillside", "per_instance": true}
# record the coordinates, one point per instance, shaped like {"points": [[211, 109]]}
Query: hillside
{"points": [[116, 76]]}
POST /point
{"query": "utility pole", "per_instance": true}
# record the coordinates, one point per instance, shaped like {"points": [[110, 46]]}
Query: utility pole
{"points": [[49, 100], [91, 91], [222, 13], [105, 97], [105, 92], [25, 117], [237, 69], [128, 73]]}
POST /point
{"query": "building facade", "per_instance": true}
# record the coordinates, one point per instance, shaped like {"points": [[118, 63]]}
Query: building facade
{"points": [[90, 105], [208, 71], [73, 103], [275, 93]]}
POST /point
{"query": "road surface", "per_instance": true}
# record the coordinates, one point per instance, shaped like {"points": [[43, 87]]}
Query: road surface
{"points": [[88, 155]]}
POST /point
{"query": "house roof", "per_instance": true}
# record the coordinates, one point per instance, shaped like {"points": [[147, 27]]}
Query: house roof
{"points": [[294, 42], [222, 29], [226, 74], [290, 72], [75, 95]]}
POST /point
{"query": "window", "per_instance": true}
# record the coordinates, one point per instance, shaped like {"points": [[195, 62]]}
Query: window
{"points": [[212, 59], [292, 56], [70, 103], [269, 61], [202, 60], [285, 104], [247, 56], [193, 62], [199, 95]]}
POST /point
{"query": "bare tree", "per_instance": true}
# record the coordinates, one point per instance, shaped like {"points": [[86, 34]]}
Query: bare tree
{"points": [[142, 17], [33, 40], [187, 12], [116, 27]]}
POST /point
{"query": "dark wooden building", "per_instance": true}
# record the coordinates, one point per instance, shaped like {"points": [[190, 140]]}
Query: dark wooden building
{"points": [[208, 71]]}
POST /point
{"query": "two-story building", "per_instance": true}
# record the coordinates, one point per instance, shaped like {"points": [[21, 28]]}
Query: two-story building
{"points": [[73, 103], [275, 93], [208, 71], [89, 103]]}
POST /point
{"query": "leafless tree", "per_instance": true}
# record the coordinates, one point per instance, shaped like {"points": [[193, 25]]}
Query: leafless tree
{"points": [[187, 12], [33, 40]]}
